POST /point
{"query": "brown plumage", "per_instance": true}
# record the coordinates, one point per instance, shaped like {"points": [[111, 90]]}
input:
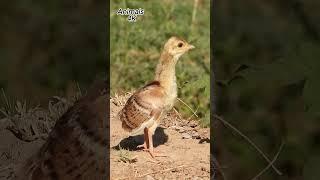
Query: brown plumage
{"points": [[142, 106], [146, 107], [76, 147]]}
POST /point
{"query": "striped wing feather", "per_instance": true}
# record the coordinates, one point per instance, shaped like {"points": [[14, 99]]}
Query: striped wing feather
{"points": [[143, 108]]}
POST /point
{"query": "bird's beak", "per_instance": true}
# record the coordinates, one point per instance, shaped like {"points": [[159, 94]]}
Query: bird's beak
{"points": [[191, 47]]}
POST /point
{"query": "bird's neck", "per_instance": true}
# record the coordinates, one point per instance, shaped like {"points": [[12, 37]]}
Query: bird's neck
{"points": [[165, 72]]}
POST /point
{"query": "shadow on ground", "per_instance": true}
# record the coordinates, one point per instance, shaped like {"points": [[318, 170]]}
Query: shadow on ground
{"points": [[130, 143]]}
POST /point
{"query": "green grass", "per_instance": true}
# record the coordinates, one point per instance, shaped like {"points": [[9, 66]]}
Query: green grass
{"points": [[135, 49]]}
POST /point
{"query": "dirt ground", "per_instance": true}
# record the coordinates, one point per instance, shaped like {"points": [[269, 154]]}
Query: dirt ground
{"points": [[13, 152], [185, 144]]}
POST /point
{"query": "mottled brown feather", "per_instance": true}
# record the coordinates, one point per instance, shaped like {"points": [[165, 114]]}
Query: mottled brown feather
{"points": [[142, 105], [76, 147]]}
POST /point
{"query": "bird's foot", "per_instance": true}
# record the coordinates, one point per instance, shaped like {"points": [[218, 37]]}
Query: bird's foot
{"points": [[146, 149], [157, 154], [143, 146], [154, 153]]}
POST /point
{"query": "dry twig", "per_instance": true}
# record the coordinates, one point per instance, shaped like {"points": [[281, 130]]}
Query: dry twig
{"points": [[161, 171], [188, 107], [216, 163], [270, 164], [226, 123], [155, 172], [177, 113]]}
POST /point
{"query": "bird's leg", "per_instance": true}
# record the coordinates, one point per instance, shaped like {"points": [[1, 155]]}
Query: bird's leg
{"points": [[151, 151], [145, 144]]}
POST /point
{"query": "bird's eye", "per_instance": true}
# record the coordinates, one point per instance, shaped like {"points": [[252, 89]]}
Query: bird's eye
{"points": [[180, 45]]}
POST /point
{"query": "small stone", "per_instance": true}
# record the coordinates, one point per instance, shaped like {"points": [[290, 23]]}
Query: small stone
{"points": [[179, 129], [149, 177], [195, 134], [186, 136]]}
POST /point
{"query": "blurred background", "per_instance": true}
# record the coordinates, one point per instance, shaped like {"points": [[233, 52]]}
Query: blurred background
{"points": [[135, 49], [50, 47], [266, 62]]}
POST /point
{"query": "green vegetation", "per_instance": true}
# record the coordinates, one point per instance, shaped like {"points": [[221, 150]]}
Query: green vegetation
{"points": [[267, 67], [135, 49], [126, 156]]}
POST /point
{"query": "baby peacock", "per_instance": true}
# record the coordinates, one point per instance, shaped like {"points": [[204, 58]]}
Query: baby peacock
{"points": [[145, 109]]}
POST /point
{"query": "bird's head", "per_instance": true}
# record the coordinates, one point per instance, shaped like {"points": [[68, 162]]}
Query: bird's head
{"points": [[176, 47]]}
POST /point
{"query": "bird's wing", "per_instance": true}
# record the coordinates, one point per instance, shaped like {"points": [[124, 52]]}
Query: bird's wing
{"points": [[143, 108], [76, 147]]}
